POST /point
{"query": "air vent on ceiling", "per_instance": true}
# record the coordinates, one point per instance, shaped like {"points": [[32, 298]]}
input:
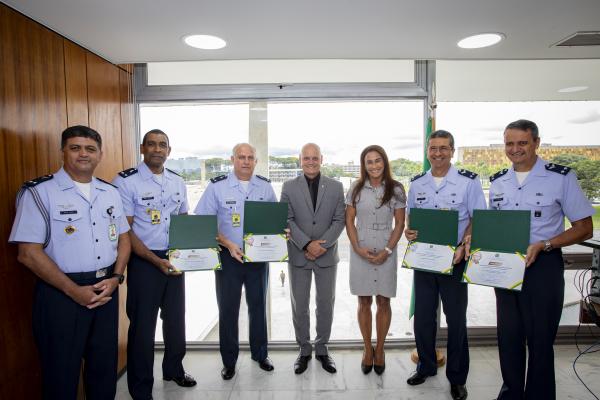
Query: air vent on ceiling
{"points": [[581, 39]]}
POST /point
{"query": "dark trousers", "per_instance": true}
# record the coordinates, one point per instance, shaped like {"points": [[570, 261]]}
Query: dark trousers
{"points": [[66, 333], [229, 281], [429, 287], [149, 290], [531, 317]]}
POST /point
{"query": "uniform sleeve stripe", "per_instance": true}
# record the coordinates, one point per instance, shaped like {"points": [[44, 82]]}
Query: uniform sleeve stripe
{"points": [[43, 211]]}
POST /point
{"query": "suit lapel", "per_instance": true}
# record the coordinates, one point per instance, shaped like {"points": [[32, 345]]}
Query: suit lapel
{"points": [[321, 192], [304, 189]]}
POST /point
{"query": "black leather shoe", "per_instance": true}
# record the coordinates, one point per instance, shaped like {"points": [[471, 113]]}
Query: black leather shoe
{"points": [[416, 379], [227, 373], [458, 392], [266, 364], [184, 381], [327, 363], [301, 363]]}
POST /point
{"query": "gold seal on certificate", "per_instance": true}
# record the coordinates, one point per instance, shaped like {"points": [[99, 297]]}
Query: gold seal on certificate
{"points": [[193, 243], [499, 242], [195, 259], [264, 238], [434, 248]]}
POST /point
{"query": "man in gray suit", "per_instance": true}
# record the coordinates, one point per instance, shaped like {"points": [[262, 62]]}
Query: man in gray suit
{"points": [[316, 220]]}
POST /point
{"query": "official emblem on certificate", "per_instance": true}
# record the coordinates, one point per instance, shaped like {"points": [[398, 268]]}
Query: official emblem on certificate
{"points": [[433, 251], [498, 246]]}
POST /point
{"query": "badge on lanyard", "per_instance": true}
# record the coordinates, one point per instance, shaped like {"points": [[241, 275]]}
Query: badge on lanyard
{"points": [[236, 220], [155, 216], [112, 232]]}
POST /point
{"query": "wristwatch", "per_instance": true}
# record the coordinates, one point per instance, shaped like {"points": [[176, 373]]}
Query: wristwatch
{"points": [[120, 277], [388, 250], [547, 245]]}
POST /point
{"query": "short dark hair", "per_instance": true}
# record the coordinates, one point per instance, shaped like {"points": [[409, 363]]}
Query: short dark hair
{"points": [[154, 132], [524, 125], [440, 133], [80, 131]]}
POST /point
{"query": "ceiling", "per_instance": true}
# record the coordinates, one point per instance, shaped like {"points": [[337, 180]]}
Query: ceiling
{"points": [[129, 31]]}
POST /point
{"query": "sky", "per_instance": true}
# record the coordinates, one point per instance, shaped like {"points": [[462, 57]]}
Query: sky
{"points": [[343, 129]]}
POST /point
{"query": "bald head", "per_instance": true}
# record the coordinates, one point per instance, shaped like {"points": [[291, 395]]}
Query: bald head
{"points": [[311, 160]]}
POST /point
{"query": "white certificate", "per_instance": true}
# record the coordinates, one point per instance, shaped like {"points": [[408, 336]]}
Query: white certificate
{"points": [[195, 259], [429, 257], [491, 268], [259, 248]]}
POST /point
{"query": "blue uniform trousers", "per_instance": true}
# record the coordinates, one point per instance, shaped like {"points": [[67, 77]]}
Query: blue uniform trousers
{"points": [[65, 333], [149, 290], [531, 318], [429, 287], [229, 281]]}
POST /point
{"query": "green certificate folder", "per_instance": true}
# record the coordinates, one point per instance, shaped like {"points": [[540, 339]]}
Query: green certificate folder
{"points": [[435, 226], [498, 246], [434, 248], [193, 232], [193, 243], [265, 217], [505, 231], [264, 238]]}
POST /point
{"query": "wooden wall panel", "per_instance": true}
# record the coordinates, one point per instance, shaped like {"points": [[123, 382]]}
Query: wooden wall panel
{"points": [[46, 84], [33, 112], [105, 113], [76, 84]]}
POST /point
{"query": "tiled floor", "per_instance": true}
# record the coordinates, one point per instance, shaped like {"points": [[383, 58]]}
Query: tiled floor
{"points": [[251, 383]]}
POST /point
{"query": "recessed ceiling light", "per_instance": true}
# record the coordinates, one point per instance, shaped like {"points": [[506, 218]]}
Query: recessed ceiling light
{"points": [[204, 42], [573, 89], [481, 40]]}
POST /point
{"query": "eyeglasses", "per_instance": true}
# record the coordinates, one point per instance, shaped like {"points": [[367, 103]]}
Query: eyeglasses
{"points": [[443, 149]]}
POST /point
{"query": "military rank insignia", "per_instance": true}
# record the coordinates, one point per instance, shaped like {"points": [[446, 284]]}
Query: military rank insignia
{"points": [[70, 229]]}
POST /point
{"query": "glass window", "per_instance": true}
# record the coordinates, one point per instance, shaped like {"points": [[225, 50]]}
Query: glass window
{"points": [[342, 129], [568, 132], [201, 137]]}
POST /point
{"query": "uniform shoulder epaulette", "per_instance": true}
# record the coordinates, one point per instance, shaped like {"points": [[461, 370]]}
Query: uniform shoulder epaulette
{"points": [[218, 178], [559, 169], [173, 172], [498, 174], [108, 183], [414, 178], [128, 172], [263, 178], [467, 173], [37, 181]]}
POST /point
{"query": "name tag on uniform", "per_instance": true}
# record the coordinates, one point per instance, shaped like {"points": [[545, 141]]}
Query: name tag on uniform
{"points": [[112, 232], [155, 217], [236, 220]]}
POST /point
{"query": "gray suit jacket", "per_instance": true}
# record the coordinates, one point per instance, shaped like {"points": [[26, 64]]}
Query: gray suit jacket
{"points": [[325, 222]]}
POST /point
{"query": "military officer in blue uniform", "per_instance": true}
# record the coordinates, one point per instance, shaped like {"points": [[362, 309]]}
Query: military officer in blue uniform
{"points": [[444, 187], [152, 193], [550, 192], [225, 197], [72, 233]]}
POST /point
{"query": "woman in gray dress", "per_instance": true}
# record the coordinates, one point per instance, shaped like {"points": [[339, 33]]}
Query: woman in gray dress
{"points": [[374, 224]]}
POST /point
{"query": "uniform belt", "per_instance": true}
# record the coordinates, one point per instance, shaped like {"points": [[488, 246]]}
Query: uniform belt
{"points": [[100, 274], [378, 226]]}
